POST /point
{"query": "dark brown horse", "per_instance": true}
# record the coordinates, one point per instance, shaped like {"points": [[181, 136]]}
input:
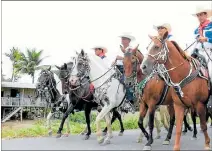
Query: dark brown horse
{"points": [[154, 92], [190, 86]]}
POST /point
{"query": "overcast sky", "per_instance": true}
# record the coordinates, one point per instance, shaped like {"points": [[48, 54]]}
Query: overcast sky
{"points": [[60, 28]]}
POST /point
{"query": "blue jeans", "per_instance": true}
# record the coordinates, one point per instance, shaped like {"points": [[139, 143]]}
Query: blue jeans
{"points": [[129, 91]]}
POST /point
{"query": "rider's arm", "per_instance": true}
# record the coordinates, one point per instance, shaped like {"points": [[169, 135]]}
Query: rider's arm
{"points": [[208, 33]]}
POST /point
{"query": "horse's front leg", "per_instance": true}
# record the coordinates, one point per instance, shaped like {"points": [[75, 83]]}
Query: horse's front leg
{"points": [[171, 125], [109, 129], [68, 127], [179, 114], [151, 127], [65, 115], [87, 117], [104, 132], [49, 123], [193, 116], [143, 112]]}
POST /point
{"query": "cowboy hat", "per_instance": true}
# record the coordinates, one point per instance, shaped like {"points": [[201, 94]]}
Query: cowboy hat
{"points": [[127, 36], [202, 9], [101, 47], [166, 25]]}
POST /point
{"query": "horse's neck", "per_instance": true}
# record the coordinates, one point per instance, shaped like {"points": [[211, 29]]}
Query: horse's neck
{"points": [[181, 66], [98, 68]]}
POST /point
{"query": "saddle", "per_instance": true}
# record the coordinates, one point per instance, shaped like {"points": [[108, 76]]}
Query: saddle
{"points": [[203, 70]]}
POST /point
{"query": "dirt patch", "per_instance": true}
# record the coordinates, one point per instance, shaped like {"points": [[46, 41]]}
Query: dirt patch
{"points": [[18, 124]]}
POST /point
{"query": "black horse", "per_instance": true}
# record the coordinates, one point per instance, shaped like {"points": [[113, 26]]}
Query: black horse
{"points": [[46, 89], [81, 96]]}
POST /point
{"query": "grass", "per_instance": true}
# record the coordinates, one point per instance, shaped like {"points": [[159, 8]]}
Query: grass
{"points": [[77, 124]]}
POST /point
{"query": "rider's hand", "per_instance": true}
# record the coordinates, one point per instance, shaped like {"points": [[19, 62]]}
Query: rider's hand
{"points": [[202, 39]]}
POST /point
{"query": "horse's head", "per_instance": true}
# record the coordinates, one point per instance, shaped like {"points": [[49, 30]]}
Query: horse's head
{"points": [[64, 75], [131, 62], [45, 80], [157, 54], [81, 69]]}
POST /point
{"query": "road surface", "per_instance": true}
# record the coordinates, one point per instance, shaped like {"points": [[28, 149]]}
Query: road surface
{"points": [[125, 142]]}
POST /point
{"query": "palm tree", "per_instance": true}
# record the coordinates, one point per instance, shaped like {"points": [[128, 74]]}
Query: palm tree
{"points": [[29, 63], [14, 56]]}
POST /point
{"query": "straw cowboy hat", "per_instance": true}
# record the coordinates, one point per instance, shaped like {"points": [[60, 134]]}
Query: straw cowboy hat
{"points": [[101, 47], [127, 36], [202, 9], [166, 25]]}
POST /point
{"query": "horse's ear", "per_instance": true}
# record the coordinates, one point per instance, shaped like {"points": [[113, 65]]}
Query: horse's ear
{"points": [[77, 53], [65, 66], [165, 35], [135, 49], [49, 68], [82, 52], [57, 67], [151, 37]]}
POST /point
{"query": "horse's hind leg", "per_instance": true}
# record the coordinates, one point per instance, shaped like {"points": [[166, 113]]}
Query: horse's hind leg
{"points": [[118, 115], [68, 127], [171, 125], [109, 132], [201, 110], [193, 116], [145, 122]]}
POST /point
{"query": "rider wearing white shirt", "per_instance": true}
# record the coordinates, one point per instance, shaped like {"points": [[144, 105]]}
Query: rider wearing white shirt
{"points": [[125, 40]]}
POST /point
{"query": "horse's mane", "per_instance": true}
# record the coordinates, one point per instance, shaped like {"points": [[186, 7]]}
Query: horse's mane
{"points": [[184, 55]]}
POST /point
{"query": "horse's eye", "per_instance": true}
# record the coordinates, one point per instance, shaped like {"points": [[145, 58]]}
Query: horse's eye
{"points": [[156, 47]]}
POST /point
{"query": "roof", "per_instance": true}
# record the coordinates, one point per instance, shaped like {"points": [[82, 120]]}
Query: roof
{"points": [[17, 85]]}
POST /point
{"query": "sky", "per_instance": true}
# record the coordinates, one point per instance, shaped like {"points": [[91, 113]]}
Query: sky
{"points": [[62, 27]]}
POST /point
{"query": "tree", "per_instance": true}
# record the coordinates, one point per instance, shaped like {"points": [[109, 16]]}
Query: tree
{"points": [[14, 56], [29, 63]]}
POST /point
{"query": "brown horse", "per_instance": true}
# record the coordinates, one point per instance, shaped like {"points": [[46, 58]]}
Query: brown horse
{"points": [[190, 88], [154, 93]]}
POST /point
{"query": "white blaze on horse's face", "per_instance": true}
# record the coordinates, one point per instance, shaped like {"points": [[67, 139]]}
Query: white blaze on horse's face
{"points": [[74, 78], [148, 62]]}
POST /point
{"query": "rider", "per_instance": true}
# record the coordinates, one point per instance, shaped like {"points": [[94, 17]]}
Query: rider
{"points": [[126, 39], [204, 36], [162, 29]]}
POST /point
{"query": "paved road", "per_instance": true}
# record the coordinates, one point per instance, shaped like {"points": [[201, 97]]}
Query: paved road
{"points": [[125, 142]]}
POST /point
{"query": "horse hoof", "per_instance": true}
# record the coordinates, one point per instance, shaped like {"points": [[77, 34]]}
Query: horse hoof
{"points": [[50, 133], [86, 137], [207, 148], [157, 137], [139, 140], [104, 133], [66, 135], [58, 135], [147, 148], [106, 141], [82, 133], [101, 140], [166, 142], [120, 134]]}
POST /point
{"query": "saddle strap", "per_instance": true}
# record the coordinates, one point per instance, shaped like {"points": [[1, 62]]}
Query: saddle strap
{"points": [[164, 94]]}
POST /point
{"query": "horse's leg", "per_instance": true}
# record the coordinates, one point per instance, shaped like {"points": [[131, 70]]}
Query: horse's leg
{"points": [[143, 123], [68, 127], [179, 114], [109, 128], [104, 132], [157, 124], [49, 123], [87, 117], [193, 116], [121, 123], [65, 115], [171, 125], [100, 116], [201, 110], [151, 127]]}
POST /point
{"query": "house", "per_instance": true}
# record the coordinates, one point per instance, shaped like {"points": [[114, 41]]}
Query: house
{"points": [[18, 96]]}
